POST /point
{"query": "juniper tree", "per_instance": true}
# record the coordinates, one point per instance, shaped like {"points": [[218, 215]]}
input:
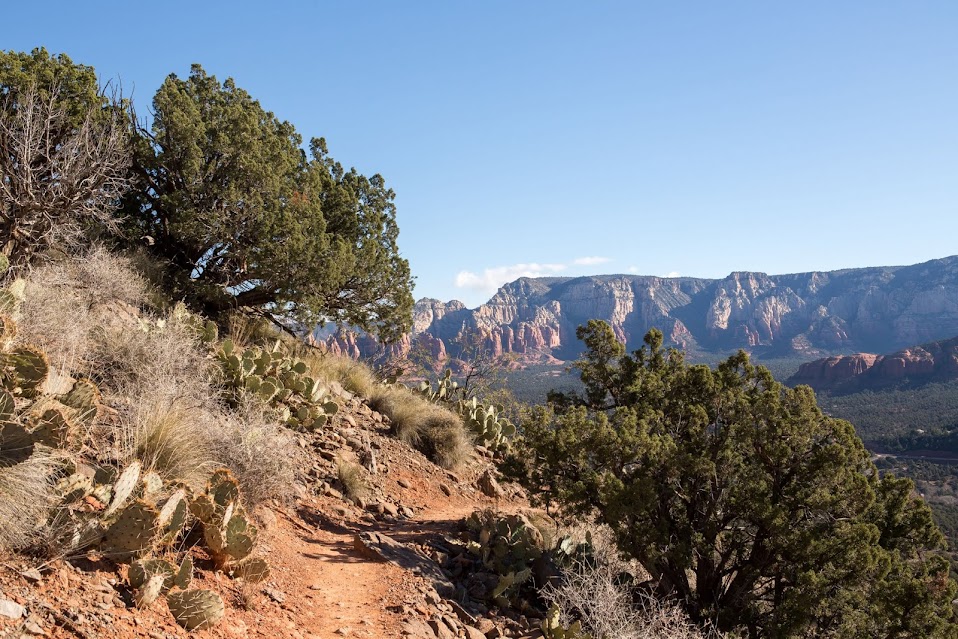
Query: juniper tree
{"points": [[740, 498], [244, 218]]}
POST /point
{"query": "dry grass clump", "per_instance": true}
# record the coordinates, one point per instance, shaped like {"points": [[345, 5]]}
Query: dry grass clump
{"points": [[353, 480], [354, 376], [436, 432], [26, 495], [169, 431], [593, 593]]}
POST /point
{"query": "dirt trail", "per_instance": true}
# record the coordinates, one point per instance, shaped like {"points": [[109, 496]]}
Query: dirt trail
{"points": [[339, 591], [320, 587]]}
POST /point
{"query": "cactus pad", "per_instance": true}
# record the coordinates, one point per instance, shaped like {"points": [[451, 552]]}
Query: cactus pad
{"points": [[30, 368], [133, 531], [204, 509], [8, 407], [54, 427], [196, 609], [84, 398], [142, 570], [184, 576], [253, 570], [223, 488], [124, 487]]}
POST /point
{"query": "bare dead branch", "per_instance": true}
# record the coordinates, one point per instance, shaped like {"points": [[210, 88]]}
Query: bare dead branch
{"points": [[56, 175]]}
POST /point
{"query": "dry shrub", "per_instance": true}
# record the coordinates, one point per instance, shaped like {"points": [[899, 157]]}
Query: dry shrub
{"points": [[353, 480], [248, 330], [66, 300], [184, 435], [26, 495], [432, 429], [592, 592], [262, 454]]}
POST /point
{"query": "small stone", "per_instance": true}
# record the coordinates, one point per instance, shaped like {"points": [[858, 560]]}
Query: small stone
{"points": [[432, 597], [442, 630], [275, 595], [473, 633], [489, 486], [11, 609], [445, 490], [34, 629], [403, 483], [32, 575]]}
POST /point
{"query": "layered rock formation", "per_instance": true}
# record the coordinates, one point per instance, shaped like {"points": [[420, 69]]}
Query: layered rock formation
{"points": [[932, 362], [810, 314]]}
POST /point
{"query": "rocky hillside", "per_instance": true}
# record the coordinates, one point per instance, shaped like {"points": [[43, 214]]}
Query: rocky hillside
{"points": [[931, 362], [808, 314]]}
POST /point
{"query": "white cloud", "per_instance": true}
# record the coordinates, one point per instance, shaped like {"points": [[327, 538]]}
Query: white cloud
{"points": [[635, 270], [492, 278], [590, 261]]}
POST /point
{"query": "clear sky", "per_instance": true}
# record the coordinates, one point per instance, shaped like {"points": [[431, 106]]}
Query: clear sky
{"points": [[570, 138]]}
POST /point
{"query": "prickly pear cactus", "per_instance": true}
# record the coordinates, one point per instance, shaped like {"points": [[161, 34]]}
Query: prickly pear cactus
{"points": [[229, 534], [507, 546], [133, 532], [53, 425], [278, 380], [491, 429], [173, 517], [184, 576], [196, 609], [26, 368], [445, 389], [84, 398], [252, 570], [123, 487], [231, 541], [552, 627], [11, 297]]}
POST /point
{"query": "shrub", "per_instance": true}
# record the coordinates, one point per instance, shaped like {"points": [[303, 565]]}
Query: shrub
{"points": [[436, 432], [64, 153], [354, 376], [353, 480], [597, 592]]}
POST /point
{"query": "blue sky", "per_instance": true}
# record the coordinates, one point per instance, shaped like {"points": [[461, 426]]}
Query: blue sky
{"points": [[569, 138]]}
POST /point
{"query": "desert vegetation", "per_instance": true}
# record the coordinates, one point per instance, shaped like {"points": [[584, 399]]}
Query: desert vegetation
{"points": [[156, 392]]}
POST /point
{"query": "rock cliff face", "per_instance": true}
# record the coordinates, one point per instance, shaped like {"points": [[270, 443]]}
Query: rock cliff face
{"points": [[808, 314], [935, 361]]}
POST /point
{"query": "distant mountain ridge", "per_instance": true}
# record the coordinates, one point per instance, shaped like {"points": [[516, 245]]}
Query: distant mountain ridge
{"points": [[931, 362], [876, 309]]}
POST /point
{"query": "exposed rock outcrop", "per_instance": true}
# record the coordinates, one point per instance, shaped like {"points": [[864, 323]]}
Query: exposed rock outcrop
{"points": [[811, 314], [931, 362]]}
